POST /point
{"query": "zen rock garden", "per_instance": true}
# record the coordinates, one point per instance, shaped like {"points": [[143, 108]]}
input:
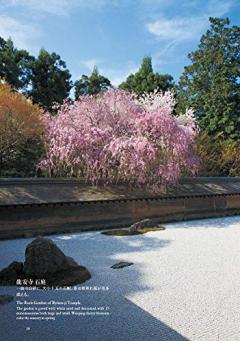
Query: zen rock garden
{"points": [[139, 227], [43, 259]]}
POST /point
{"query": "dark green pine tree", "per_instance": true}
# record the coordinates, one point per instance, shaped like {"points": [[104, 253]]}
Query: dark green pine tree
{"points": [[91, 85], [145, 80], [49, 81], [211, 83], [14, 65]]}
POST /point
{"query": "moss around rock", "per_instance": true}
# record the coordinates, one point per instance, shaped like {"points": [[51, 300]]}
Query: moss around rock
{"points": [[44, 260], [124, 232]]}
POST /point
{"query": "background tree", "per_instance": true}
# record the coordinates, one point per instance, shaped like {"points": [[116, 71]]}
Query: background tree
{"points": [[218, 157], [14, 65], [49, 81], [2, 42], [91, 85], [146, 81], [21, 130], [210, 84]]}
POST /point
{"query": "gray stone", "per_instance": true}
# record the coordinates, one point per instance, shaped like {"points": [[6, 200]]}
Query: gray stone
{"points": [[6, 299], [142, 223], [46, 261], [121, 265], [42, 256], [71, 262]]}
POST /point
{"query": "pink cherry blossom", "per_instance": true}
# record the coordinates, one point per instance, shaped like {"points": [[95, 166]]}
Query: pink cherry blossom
{"points": [[116, 137]]}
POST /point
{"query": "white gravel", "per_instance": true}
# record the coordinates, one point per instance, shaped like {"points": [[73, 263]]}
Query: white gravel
{"points": [[184, 285]]}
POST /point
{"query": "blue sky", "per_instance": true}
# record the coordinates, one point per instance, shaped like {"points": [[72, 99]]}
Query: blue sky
{"points": [[113, 34]]}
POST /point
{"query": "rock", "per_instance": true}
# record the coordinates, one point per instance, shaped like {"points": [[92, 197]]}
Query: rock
{"points": [[10, 274], [72, 276], [44, 260], [71, 262], [121, 265], [142, 223], [6, 299], [44, 257]]}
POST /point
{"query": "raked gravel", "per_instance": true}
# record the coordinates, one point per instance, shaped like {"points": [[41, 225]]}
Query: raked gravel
{"points": [[184, 285]]}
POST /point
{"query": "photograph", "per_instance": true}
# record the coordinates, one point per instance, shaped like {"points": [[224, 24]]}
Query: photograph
{"points": [[119, 170]]}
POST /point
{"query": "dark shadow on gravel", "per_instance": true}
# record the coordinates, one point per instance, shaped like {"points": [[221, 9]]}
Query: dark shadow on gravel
{"points": [[127, 321]]}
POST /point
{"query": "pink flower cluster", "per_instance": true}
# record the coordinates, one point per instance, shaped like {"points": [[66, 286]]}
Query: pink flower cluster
{"points": [[116, 137]]}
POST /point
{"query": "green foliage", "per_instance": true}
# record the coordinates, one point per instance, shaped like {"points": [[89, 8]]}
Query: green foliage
{"points": [[91, 85], [2, 43], [14, 65], [145, 80], [50, 80], [218, 157], [44, 79], [22, 160], [210, 84]]}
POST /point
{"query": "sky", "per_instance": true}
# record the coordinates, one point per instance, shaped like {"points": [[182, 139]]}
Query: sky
{"points": [[114, 35]]}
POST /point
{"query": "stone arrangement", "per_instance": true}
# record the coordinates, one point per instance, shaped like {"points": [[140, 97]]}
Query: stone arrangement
{"points": [[44, 260], [142, 223]]}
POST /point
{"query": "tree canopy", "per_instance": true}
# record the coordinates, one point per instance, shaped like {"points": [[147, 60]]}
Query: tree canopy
{"points": [[14, 65], [21, 129], [44, 79], [91, 85], [145, 80], [49, 81], [114, 137], [210, 84]]}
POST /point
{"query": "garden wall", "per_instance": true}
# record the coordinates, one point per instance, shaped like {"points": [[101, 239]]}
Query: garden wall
{"points": [[192, 199]]}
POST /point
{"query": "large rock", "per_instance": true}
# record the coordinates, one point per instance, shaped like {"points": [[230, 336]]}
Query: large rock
{"points": [[43, 257], [44, 260]]}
